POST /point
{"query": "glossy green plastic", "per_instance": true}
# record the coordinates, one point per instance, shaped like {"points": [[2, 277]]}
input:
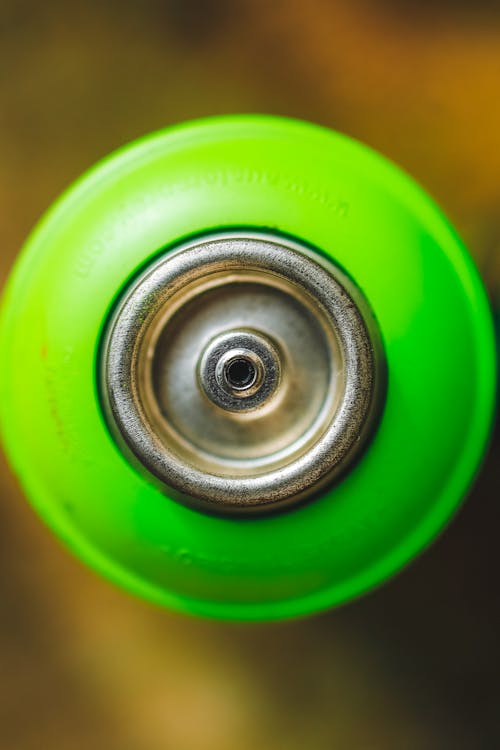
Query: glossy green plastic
{"points": [[322, 188]]}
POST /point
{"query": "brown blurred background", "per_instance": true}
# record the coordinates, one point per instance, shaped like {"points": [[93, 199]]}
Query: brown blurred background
{"points": [[413, 666]]}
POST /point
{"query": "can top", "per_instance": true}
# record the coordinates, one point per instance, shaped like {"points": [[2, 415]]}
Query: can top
{"points": [[243, 371], [259, 175]]}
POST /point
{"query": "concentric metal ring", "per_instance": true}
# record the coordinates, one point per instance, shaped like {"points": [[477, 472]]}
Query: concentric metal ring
{"points": [[305, 390]]}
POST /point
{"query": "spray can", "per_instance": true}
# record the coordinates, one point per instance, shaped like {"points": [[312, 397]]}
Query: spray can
{"points": [[247, 368]]}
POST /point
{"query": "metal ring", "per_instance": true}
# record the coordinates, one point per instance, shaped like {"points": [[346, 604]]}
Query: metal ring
{"points": [[314, 369]]}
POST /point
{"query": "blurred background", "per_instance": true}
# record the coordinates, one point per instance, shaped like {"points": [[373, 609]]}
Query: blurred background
{"points": [[413, 666]]}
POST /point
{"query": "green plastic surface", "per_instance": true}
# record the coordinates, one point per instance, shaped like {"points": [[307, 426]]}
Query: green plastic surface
{"points": [[267, 174]]}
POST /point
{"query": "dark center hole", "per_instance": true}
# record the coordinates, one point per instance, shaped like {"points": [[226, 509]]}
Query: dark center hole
{"points": [[241, 373]]}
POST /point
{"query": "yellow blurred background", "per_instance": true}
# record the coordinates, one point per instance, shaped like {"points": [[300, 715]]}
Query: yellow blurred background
{"points": [[413, 666]]}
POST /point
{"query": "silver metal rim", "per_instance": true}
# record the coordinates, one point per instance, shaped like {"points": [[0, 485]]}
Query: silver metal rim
{"points": [[155, 298]]}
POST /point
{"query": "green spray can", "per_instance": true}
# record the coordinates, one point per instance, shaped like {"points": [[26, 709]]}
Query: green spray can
{"points": [[247, 368]]}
